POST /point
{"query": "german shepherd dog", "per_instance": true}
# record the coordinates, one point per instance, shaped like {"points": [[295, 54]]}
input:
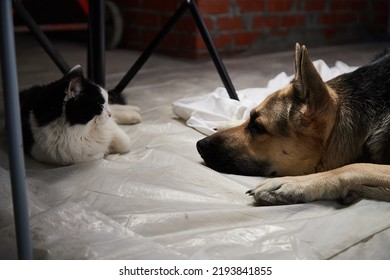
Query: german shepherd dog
{"points": [[323, 140]]}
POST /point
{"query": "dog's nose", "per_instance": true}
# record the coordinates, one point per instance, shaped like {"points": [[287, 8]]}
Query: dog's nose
{"points": [[201, 146]]}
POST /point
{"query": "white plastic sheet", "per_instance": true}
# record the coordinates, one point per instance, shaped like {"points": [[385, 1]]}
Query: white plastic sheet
{"points": [[160, 202]]}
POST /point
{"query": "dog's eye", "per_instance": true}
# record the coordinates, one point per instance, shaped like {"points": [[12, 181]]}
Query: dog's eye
{"points": [[260, 129], [257, 128]]}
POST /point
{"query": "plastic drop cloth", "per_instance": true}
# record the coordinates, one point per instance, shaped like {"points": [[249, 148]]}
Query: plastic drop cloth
{"points": [[160, 202]]}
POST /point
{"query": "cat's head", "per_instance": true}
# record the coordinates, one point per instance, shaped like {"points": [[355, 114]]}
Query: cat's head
{"points": [[84, 101]]}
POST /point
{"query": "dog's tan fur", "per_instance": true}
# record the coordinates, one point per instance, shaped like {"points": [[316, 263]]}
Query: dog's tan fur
{"points": [[302, 133]]}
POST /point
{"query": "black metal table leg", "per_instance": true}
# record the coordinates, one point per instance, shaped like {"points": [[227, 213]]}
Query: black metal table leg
{"points": [[96, 45], [150, 48], [212, 50], [187, 4], [41, 37], [14, 131]]}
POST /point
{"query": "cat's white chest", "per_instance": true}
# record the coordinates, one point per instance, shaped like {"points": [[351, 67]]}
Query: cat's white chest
{"points": [[61, 143]]}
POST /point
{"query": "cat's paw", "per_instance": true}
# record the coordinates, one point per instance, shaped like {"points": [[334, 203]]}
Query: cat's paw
{"points": [[125, 114], [120, 143]]}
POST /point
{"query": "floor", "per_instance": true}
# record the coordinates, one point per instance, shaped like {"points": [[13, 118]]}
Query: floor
{"points": [[159, 201]]}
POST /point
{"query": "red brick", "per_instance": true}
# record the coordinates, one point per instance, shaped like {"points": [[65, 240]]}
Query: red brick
{"points": [[144, 18], [381, 21], [148, 36], [132, 17], [222, 41], [348, 5], [186, 24], [132, 35], [246, 38], [186, 41], [346, 18], [155, 5], [228, 23], [340, 5], [293, 20], [328, 19], [213, 6], [359, 5], [336, 19], [381, 5], [330, 32], [148, 20], [315, 5], [199, 43], [209, 23], [251, 5], [128, 4], [266, 21], [279, 32], [279, 5], [170, 42]]}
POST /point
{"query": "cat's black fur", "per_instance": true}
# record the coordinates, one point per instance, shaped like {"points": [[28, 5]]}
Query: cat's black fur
{"points": [[46, 102]]}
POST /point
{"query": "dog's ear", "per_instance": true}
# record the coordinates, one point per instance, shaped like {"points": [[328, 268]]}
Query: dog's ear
{"points": [[298, 58], [308, 84]]}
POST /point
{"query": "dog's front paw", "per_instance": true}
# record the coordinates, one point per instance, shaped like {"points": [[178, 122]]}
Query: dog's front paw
{"points": [[279, 191]]}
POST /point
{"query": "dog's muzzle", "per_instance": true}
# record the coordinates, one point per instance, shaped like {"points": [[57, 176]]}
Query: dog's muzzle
{"points": [[210, 152], [220, 156]]}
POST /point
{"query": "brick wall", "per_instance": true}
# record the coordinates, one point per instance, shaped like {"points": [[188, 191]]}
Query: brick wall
{"points": [[244, 26]]}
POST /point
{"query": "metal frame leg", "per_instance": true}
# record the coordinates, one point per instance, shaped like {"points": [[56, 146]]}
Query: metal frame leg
{"points": [[212, 50], [96, 45], [187, 4], [150, 48], [14, 131], [41, 37]]}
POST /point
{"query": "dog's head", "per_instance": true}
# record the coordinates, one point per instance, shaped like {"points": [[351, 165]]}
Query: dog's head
{"points": [[284, 135]]}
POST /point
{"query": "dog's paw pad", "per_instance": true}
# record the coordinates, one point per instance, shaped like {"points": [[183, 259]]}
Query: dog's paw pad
{"points": [[277, 192]]}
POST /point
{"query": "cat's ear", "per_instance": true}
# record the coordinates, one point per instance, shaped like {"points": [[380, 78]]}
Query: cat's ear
{"points": [[76, 71], [74, 89]]}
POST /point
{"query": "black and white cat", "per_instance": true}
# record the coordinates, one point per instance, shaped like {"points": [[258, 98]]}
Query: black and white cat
{"points": [[70, 121]]}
